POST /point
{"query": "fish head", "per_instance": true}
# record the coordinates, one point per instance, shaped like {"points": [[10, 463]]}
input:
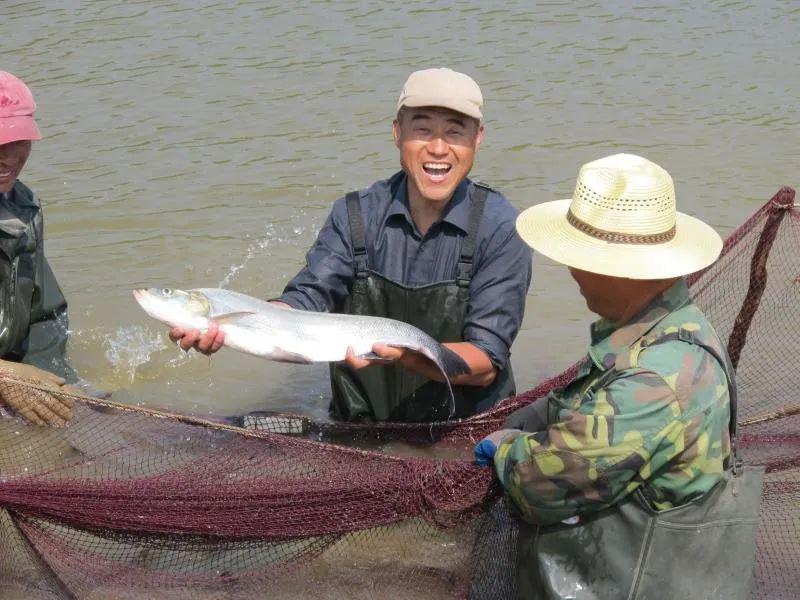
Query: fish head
{"points": [[175, 307]]}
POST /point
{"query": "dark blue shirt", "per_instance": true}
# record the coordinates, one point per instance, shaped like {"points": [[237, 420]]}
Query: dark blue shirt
{"points": [[397, 251]]}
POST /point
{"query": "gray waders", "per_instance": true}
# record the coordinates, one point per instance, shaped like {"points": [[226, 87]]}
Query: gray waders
{"points": [[390, 393], [33, 311], [700, 550]]}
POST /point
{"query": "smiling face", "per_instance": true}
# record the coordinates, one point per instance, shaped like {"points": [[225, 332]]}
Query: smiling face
{"points": [[12, 159], [437, 149]]}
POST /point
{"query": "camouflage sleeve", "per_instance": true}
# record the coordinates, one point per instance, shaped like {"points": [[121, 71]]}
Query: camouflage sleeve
{"points": [[601, 450]]}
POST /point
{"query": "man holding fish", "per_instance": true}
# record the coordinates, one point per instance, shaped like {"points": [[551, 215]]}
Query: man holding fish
{"points": [[427, 247]]}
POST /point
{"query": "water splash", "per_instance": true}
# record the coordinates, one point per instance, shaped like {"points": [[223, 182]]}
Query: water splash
{"points": [[299, 228], [130, 347], [253, 250]]}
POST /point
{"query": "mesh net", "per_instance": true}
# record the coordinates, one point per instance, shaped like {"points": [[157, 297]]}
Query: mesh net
{"points": [[126, 502]]}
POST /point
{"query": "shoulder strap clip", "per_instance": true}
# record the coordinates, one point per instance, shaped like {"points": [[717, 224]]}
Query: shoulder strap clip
{"points": [[464, 274], [361, 271]]}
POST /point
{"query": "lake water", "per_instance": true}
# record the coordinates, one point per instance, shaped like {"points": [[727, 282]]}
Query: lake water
{"points": [[198, 144]]}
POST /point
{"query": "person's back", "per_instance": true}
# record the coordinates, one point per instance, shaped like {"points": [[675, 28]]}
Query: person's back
{"points": [[643, 400], [624, 480]]}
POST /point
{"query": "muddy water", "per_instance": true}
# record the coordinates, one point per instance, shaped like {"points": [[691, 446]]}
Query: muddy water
{"points": [[201, 144]]}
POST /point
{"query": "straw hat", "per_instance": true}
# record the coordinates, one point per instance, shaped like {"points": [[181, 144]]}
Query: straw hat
{"points": [[621, 221]]}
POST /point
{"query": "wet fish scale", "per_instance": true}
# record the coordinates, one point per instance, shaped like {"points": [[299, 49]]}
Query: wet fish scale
{"points": [[287, 335]]}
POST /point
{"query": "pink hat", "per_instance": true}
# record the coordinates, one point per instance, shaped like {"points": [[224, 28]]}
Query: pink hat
{"points": [[16, 111]]}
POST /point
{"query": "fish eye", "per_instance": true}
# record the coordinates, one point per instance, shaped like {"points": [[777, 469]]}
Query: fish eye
{"points": [[167, 291]]}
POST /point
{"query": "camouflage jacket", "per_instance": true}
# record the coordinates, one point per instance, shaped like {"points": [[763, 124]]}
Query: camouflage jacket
{"points": [[660, 417]]}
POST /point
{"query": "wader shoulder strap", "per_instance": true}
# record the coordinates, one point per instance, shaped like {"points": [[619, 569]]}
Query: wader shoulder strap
{"points": [[468, 245], [684, 335], [357, 234]]}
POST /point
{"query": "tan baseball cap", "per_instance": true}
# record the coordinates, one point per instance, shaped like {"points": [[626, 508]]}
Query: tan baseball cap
{"points": [[442, 87]]}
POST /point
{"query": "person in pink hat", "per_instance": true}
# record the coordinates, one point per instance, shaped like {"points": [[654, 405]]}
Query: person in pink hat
{"points": [[33, 311]]}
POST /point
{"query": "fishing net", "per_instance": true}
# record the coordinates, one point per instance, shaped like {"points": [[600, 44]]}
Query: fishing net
{"points": [[127, 502]]}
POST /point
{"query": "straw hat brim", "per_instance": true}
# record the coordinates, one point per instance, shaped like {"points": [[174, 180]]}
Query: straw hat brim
{"points": [[545, 228]]}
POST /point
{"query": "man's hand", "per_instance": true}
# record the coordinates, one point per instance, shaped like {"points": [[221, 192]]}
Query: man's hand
{"points": [[481, 370], [38, 407], [390, 355], [207, 343]]}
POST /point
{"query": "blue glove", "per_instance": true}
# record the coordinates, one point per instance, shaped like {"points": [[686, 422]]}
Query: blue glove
{"points": [[486, 448]]}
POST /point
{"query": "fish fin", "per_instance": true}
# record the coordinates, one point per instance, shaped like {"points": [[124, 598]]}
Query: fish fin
{"points": [[452, 411], [228, 317], [452, 364], [372, 356], [280, 355]]}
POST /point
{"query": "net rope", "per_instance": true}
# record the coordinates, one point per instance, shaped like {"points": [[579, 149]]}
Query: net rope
{"points": [[131, 502]]}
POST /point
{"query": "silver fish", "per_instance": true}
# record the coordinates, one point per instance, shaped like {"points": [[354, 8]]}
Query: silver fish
{"points": [[287, 335]]}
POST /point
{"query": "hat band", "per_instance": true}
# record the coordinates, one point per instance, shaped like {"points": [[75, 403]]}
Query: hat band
{"points": [[617, 237]]}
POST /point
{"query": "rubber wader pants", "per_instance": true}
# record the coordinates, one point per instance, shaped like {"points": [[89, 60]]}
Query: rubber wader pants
{"points": [[703, 549], [33, 311], [390, 393]]}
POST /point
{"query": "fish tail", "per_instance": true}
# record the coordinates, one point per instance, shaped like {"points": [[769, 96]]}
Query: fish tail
{"points": [[452, 411], [453, 364], [450, 364]]}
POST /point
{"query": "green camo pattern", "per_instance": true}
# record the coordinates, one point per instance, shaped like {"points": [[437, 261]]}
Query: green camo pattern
{"points": [[662, 418]]}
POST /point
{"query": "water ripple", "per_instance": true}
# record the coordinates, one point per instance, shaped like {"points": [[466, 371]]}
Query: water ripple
{"points": [[177, 133]]}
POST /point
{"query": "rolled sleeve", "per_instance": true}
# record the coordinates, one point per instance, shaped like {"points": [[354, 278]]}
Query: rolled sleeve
{"points": [[497, 294], [323, 284]]}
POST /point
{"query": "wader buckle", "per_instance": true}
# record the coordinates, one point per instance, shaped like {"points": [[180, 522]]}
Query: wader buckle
{"points": [[360, 260], [464, 273]]}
